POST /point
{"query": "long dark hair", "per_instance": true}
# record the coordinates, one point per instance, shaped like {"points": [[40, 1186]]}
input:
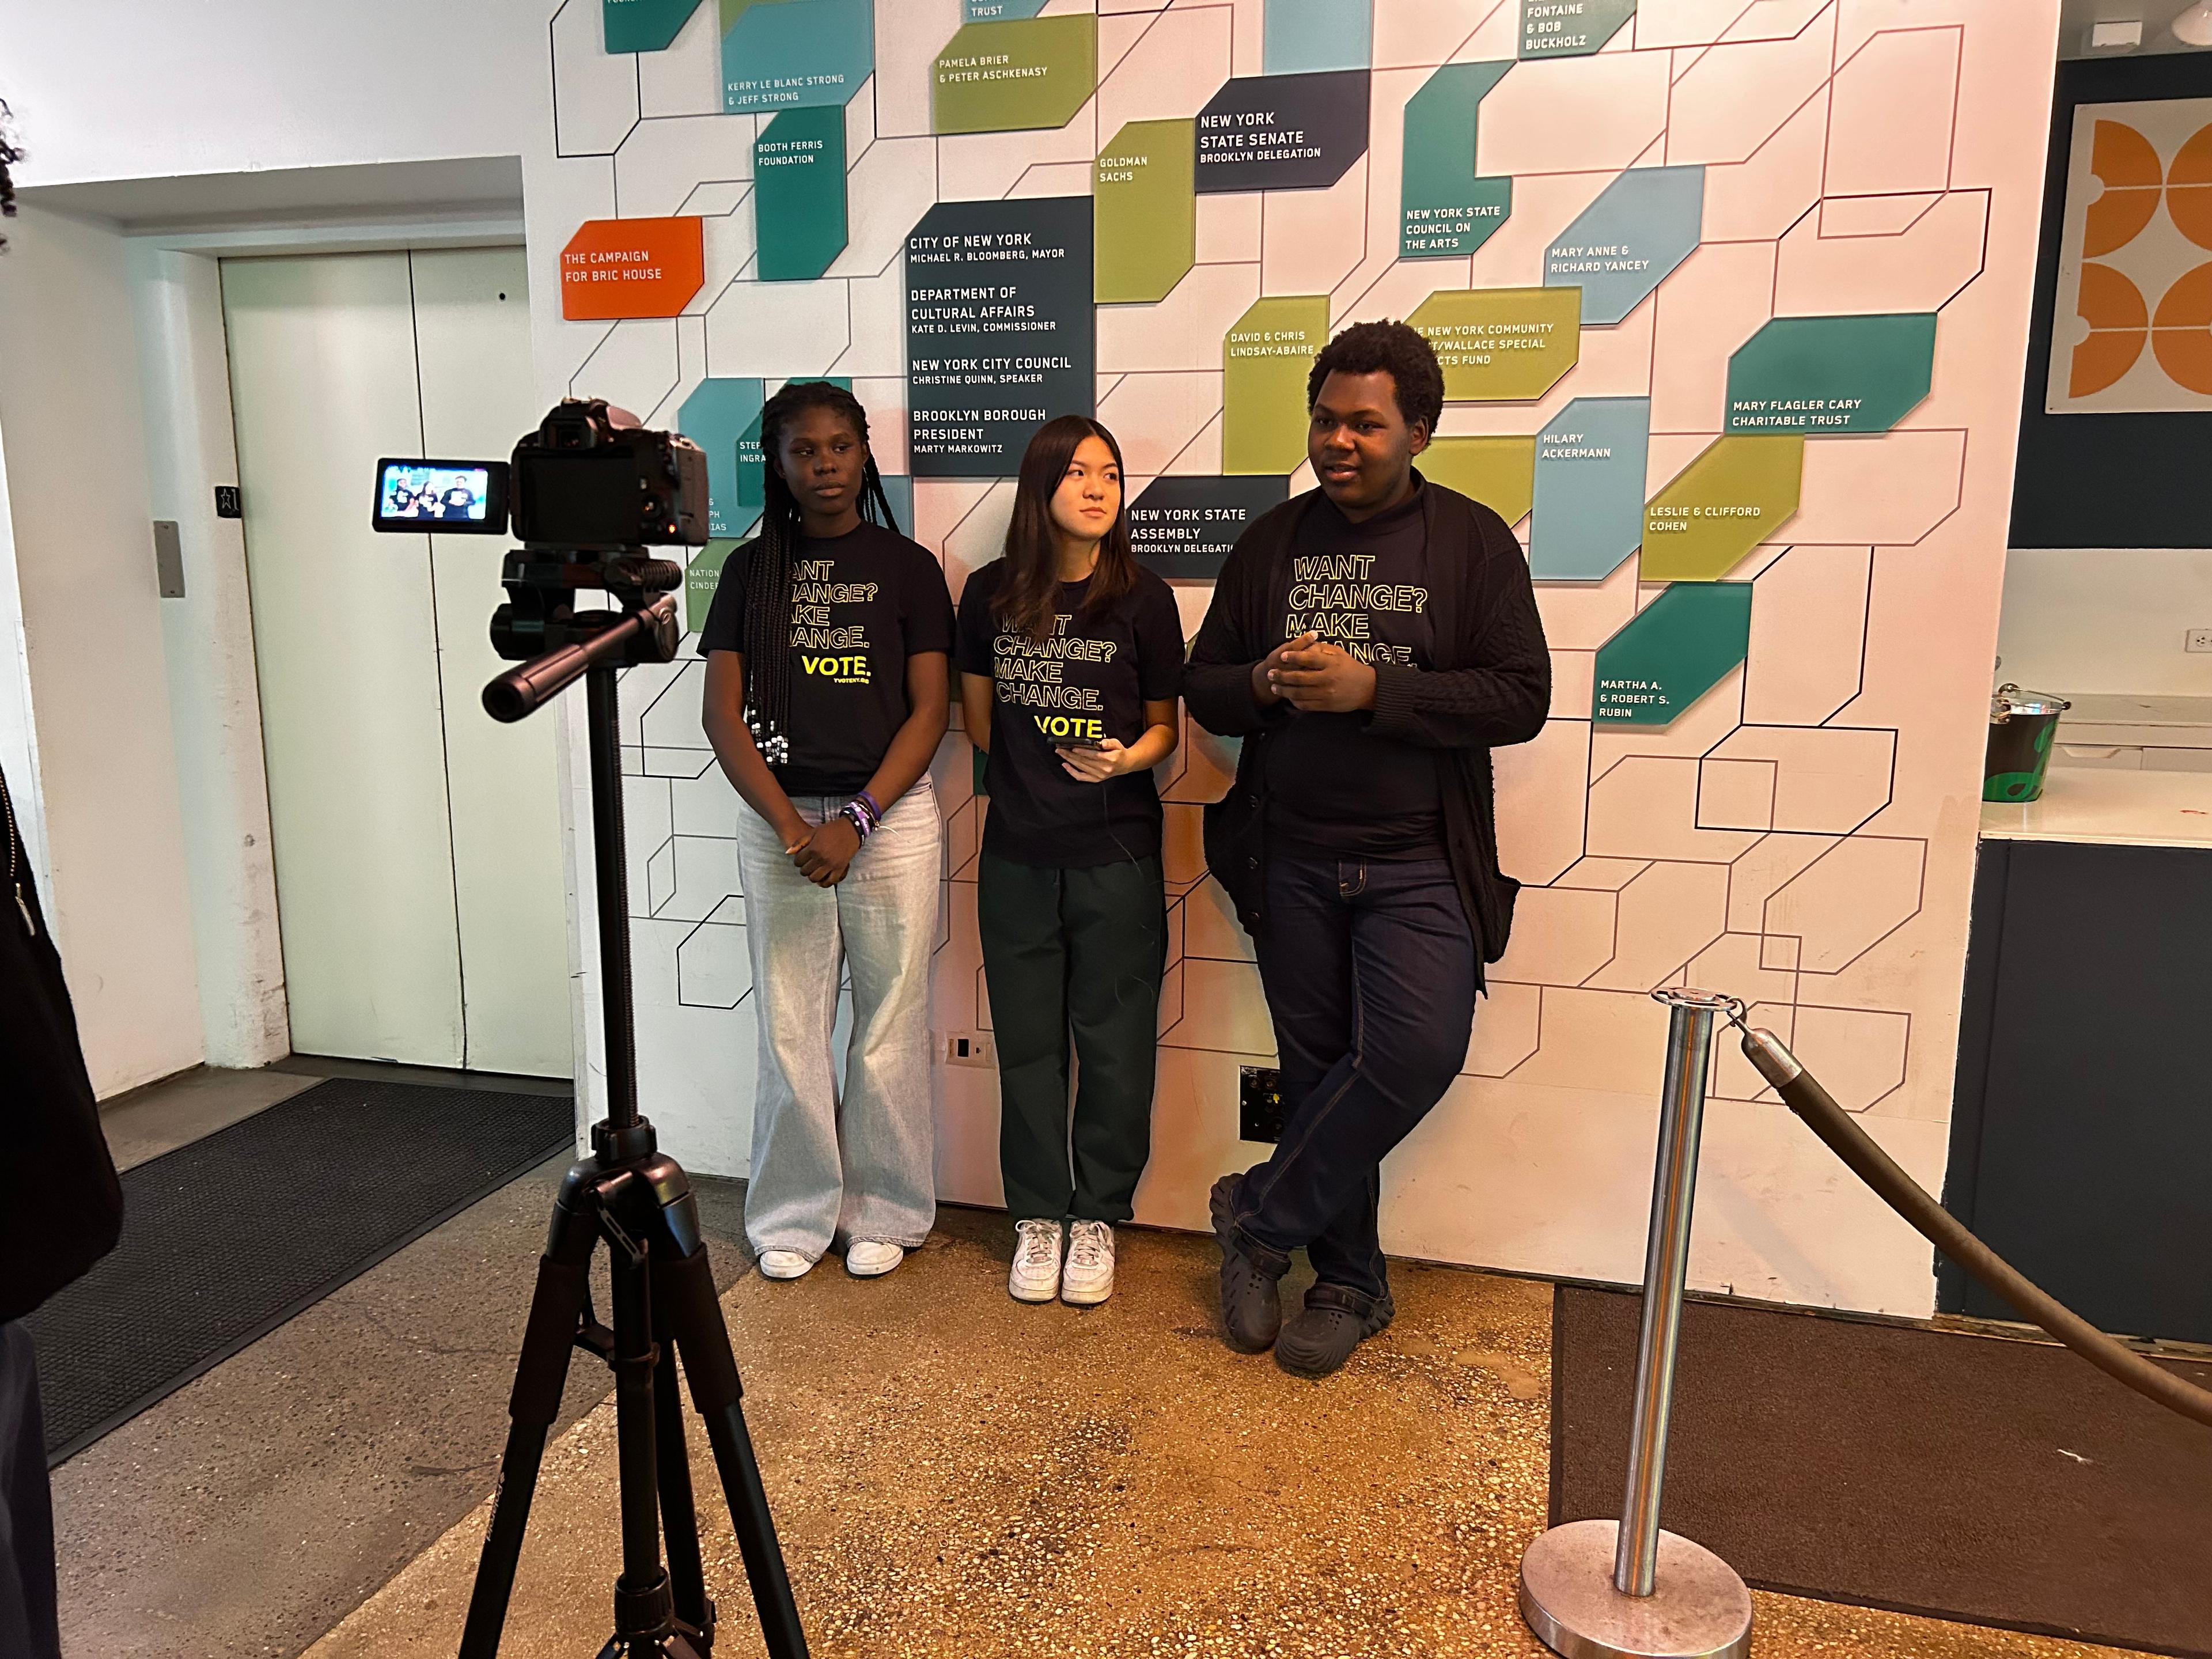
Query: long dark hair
{"points": [[768, 576], [1029, 597]]}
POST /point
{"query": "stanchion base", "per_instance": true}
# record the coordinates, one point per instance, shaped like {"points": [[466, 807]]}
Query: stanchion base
{"points": [[1700, 1611]]}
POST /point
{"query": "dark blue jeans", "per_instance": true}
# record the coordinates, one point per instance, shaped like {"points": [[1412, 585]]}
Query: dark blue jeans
{"points": [[1370, 970]]}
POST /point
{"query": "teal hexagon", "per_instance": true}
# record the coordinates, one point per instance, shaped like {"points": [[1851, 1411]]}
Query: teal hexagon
{"points": [[1628, 242], [1828, 375], [1674, 651]]}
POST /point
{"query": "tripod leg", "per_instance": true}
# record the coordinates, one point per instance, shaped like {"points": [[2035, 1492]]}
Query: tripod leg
{"points": [[693, 1313], [555, 1310], [679, 1520]]}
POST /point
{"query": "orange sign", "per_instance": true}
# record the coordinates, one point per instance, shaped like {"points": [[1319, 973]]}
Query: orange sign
{"points": [[631, 268]]}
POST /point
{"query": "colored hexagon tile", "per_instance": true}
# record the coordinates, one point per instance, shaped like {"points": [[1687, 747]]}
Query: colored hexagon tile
{"points": [[1445, 210], [1001, 330], [1570, 28], [700, 578], [1831, 375], [643, 25], [1589, 495], [1282, 131], [1184, 527], [1146, 212], [1022, 74], [1502, 344], [799, 193], [1629, 240], [1734, 497], [1673, 651], [715, 417], [1265, 359], [1500, 473], [1300, 35], [794, 54], [632, 268]]}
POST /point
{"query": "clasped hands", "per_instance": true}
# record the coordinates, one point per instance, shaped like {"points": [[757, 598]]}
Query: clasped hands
{"points": [[822, 852], [1314, 676]]}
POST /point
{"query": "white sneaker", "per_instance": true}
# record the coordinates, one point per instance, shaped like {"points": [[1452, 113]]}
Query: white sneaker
{"points": [[1088, 1279], [1035, 1275], [782, 1264], [871, 1258]]}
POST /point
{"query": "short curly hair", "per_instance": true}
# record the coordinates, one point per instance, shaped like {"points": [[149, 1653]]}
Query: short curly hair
{"points": [[1397, 350]]}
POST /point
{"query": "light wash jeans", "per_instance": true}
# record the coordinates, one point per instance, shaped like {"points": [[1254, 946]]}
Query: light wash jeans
{"points": [[861, 1164]]}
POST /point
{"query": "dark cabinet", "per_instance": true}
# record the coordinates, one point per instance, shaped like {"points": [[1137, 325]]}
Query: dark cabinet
{"points": [[2081, 1126]]}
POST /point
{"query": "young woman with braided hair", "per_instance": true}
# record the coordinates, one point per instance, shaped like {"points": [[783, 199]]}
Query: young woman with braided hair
{"points": [[828, 689]]}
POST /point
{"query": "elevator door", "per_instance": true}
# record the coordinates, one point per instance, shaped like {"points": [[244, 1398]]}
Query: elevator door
{"points": [[417, 844]]}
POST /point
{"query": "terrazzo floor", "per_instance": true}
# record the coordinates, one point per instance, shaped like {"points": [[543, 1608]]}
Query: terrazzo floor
{"points": [[955, 1473]]}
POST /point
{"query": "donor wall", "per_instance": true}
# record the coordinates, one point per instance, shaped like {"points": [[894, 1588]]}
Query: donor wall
{"points": [[1731, 297]]}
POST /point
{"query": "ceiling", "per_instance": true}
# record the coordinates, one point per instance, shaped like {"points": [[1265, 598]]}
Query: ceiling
{"points": [[2077, 15], [486, 186]]}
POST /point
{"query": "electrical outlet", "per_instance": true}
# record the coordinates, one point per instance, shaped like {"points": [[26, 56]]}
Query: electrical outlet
{"points": [[2198, 639], [970, 1048]]}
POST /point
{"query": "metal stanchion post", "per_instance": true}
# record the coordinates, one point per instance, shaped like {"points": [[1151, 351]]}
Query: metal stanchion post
{"points": [[1603, 1589]]}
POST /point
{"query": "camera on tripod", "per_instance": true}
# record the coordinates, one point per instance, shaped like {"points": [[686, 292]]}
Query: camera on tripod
{"points": [[591, 491], [586, 493]]}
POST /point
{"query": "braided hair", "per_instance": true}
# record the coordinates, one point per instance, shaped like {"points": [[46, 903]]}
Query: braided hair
{"points": [[768, 573]]}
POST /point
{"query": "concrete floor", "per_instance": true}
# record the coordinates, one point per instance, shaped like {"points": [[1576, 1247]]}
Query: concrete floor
{"points": [[954, 1473], [251, 1509]]}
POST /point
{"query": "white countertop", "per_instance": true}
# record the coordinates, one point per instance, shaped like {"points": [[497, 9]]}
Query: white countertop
{"points": [[2154, 722], [2121, 809]]}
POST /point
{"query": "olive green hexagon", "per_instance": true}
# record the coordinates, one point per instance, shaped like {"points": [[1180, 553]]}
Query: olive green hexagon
{"points": [[1011, 76], [1737, 493], [1502, 344]]}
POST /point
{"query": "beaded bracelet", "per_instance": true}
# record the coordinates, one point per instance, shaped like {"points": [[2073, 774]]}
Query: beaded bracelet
{"points": [[862, 812]]}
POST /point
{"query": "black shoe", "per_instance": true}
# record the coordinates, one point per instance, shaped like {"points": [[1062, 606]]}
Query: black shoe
{"points": [[1319, 1339], [1251, 1306]]}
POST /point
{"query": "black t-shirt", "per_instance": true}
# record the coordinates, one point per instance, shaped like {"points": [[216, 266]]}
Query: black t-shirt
{"points": [[1090, 677], [861, 603], [1332, 785]]}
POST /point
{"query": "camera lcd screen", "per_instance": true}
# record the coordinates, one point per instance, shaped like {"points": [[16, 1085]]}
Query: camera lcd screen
{"points": [[466, 498]]}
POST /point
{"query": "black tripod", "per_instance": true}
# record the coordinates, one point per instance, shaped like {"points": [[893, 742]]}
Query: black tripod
{"points": [[628, 1194]]}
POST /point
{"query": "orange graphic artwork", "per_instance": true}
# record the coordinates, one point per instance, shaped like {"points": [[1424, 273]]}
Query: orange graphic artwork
{"points": [[2120, 323], [2181, 333], [2127, 165], [2189, 189], [632, 268]]}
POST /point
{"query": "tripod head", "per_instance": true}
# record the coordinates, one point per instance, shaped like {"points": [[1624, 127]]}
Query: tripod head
{"points": [[540, 626]]}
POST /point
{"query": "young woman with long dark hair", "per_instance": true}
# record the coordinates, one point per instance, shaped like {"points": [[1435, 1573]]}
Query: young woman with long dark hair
{"points": [[827, 687], [1071, 661]]}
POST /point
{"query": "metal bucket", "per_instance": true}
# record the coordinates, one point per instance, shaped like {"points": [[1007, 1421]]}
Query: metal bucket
{"points": [[2021, 726]]}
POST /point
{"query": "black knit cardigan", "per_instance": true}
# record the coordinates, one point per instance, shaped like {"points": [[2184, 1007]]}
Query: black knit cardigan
{"points": [[1491, 686]]}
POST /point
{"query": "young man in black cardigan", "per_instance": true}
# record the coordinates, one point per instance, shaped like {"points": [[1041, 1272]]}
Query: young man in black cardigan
{"points": [[1371, 642]]}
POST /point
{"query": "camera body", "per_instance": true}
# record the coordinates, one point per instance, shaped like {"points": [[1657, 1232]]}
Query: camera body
{"points": [[592, 478]]}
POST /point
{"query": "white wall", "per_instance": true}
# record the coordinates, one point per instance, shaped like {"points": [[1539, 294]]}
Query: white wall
{"points": [[2106, 619], [138, 89], [83, 569], [214, 705]]}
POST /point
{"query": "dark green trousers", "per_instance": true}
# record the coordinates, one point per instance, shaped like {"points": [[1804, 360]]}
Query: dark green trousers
{"points": [[1079, 953]]}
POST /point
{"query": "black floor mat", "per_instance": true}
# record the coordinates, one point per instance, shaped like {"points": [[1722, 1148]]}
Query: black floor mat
{"points": [[2004, 1483], [228, 1237]]}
